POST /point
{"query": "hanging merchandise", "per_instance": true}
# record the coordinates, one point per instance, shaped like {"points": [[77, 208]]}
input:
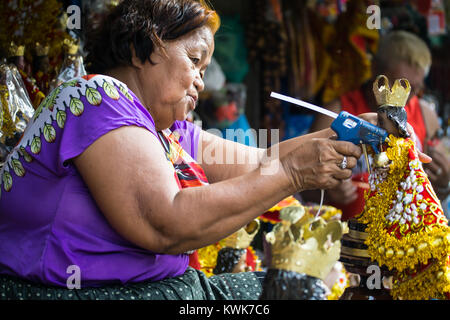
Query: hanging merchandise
{"points": [[436, 18], [404, 17], [16, 57], [29, 22], [302, 51], [230, 50], [351, 50], [16, 109], [327, 9], [73, 65], [309, 37], [310, 33], [267, 43], [221, 108], [434, 12]]}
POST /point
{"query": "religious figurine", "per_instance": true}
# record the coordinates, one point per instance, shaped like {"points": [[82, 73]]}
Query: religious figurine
{"points": [[16, 57], [305, 249], [232, 258], [15, 109], [407, 229], [41, 67], [73, 65], [232, 254]]}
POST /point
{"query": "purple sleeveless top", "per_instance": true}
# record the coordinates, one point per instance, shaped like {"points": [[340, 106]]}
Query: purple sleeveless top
{"points": [[48, 219]]}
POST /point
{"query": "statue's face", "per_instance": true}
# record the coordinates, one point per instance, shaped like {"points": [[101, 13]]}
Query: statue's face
{"points": [[241, 266], [388, 125]]}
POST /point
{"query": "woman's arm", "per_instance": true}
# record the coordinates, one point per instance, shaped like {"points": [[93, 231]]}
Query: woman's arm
{"points": [[322, 121], [133, 184], [223, 159]]}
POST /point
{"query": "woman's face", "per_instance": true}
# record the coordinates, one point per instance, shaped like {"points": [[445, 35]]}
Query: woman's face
{"points": [[171, 86], [388, 125]]}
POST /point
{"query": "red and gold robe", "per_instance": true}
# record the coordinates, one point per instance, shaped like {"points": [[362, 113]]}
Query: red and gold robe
{"points": [[408, 231]]}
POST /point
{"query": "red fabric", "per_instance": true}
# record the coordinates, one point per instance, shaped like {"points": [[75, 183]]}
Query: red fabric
{"points": [[187, 173], [88, 76], [271, 216], [430, 218], [250, 260], [193, 260], [356, 207]]}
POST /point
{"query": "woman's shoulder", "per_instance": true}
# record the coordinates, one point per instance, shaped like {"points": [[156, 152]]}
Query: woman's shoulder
{"points": [[94, 87], [90, 96], [74, 115]]}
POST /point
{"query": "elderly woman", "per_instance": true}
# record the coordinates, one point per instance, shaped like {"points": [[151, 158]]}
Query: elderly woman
{"points": [[105, 191]]}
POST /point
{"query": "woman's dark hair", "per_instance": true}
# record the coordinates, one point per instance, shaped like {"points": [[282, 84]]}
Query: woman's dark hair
{"points": [[398, 116], [227, 259], [145, 24]]}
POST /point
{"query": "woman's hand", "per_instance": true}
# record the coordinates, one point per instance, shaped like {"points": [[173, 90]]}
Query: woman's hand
{"points": [[372, 117], [316, 164], [346, 192], [438, 172], [422, 156]]}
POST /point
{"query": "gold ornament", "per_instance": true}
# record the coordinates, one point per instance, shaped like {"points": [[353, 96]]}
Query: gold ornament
{"points": [[292, 214], [71, 46], [396, 97], [242, 238], [310, 245], [381, 159], [15, 50]]}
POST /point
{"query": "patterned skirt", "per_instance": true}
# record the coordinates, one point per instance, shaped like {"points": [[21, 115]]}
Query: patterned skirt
{"points": [[192, 285]]}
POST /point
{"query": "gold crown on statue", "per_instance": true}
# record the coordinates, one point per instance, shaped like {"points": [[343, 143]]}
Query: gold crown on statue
{"points": [[396, 97], [71, 46], [41, 50], [242, 238], [15, 50], [305, 244]]}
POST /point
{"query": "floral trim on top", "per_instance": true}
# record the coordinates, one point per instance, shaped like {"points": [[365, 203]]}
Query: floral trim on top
{"points": [[52, 112]]}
